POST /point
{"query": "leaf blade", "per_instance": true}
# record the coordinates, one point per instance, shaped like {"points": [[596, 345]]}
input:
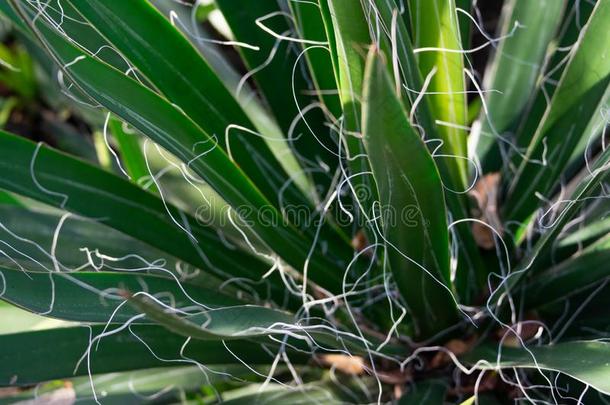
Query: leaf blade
{"points": [[120, 351], [570, 276], [529, 27], [168, 126], [585, 361], [132, 27], [93, 297], [419, 250], [437, 40], [470, 273], [131, 153], [59, 180], [589, 184], [582, 90]]}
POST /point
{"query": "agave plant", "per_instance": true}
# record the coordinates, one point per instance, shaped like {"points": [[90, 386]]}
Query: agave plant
{"points": [[310, 201]]}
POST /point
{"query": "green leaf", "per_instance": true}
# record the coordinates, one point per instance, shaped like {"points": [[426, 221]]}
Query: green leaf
{"points": [[122, 350], [132, 27], [582, 90], [231, 77], [72, 26], [585, 188], [599, 227], [8, 199], [31, 232], [15, 320], [168, 126], [317, 147], [590, 140], [6, 108], [408, 69], [237, 322], [585, 361], [273, 76], [277, 394], [430, 392], [528, 27], [93, 296], [571, 276], [349, 38], [244, 322], [20, 79], [154, 117], [7, 11], [464, 22], [259, 25], [412, 208], [436, 38], [310, 26], [40, 173], [102, 151], [166, 385], [282, 79], [590, 225], [577, 13], [130, 153], [470, 272]]}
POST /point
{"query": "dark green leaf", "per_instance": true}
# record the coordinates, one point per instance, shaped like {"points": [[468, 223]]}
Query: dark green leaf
{"points": [[222, 323], [38, 172], [275, 394], [310, 26], [132, 27], [588, 185], [571, 276], [122, 349], [585, 361], [582, 90], [93, 296], [470, 271], [243, 322], [159, 385], [597, 228], [430, 392], [130, 152], [412, 208], [528, 28], [168, 126], [283, 81], [577, 14], [349, 34]]}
